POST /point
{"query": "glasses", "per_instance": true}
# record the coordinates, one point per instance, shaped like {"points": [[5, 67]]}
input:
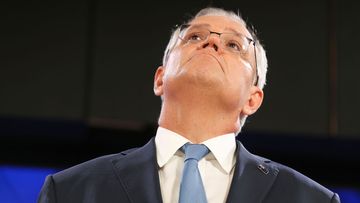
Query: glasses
{"points": [[233, 42]]}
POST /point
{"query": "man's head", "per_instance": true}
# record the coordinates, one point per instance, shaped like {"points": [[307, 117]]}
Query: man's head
{"points": [[216, 55]]}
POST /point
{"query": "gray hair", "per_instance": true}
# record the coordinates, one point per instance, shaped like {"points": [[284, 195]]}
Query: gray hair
{"points": [[261, 59]]}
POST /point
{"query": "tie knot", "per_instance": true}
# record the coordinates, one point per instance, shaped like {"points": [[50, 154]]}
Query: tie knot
{"points": [[194, 151]]}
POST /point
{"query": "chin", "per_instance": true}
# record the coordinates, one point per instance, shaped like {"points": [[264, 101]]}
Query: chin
{"points": [[208, 76], [205, 80]]}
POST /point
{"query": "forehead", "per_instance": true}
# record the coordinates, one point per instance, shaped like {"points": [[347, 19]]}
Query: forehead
{"points": [[221, 23]]}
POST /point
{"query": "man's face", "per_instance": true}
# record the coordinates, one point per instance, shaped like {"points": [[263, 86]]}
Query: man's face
{"points": [[209, 68]]}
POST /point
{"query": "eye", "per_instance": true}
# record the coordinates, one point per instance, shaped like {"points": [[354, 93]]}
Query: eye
{"points": [[194, 37], [235, 46]]}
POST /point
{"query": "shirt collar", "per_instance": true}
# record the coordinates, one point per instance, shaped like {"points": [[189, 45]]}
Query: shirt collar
{"points": [[222, 147], [167, 143]]}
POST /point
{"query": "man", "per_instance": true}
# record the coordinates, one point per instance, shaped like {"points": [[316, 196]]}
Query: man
{"points": [[212, 77]]}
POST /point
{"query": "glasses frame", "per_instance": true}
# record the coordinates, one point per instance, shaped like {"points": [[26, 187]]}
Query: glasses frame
{"points": [[185, 26]]}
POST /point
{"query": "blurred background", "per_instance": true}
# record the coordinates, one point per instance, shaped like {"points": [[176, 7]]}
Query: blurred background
{"points": [[76, 82]]}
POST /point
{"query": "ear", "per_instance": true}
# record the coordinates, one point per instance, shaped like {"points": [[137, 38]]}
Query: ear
{"points": [[158, 81], [254, 102]]}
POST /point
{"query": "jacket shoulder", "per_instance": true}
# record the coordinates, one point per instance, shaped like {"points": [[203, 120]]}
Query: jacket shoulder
{"points": [[291, 185], [97, 166], [92, 181]]}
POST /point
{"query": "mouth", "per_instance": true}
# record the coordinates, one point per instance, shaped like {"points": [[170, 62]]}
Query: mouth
{"points": [[208, 54]]}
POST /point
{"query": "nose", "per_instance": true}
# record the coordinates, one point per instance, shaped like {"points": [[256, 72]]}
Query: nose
{"points": [[213, 41]]}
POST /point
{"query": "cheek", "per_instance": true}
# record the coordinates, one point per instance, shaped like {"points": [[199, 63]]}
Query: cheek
{"points": [[240, 82], [173, 64], [246, 65], [177, 59], [241, 72]]}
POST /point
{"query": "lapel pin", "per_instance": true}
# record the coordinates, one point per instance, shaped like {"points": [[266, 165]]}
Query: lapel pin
{"points": [[263, 169]]}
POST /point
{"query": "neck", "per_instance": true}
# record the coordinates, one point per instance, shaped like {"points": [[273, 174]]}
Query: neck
{"points": [[197, 120]]}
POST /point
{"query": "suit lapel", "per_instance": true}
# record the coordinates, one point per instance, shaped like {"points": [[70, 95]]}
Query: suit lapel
{"points": [[253, 177], [138, 174]]}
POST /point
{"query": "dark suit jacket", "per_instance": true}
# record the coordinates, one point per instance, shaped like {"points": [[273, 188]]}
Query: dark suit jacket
{"points": [[132, 176]]}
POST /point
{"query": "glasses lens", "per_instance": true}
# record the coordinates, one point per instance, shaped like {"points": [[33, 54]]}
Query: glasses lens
{"points": [[194, 34], [235, 43]]}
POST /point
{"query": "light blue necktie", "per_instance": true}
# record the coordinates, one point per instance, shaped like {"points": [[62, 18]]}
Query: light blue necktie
{"points": [[191, 186]]}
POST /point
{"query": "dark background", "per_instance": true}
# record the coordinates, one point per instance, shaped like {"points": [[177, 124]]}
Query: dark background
{"points": [[76, 80]]}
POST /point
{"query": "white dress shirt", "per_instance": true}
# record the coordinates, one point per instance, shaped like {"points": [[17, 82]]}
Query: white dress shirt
{"points": [[216, 168]]}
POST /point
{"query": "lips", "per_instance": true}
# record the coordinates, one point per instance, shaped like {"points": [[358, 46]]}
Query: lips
{"points": [[209, 54]]}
